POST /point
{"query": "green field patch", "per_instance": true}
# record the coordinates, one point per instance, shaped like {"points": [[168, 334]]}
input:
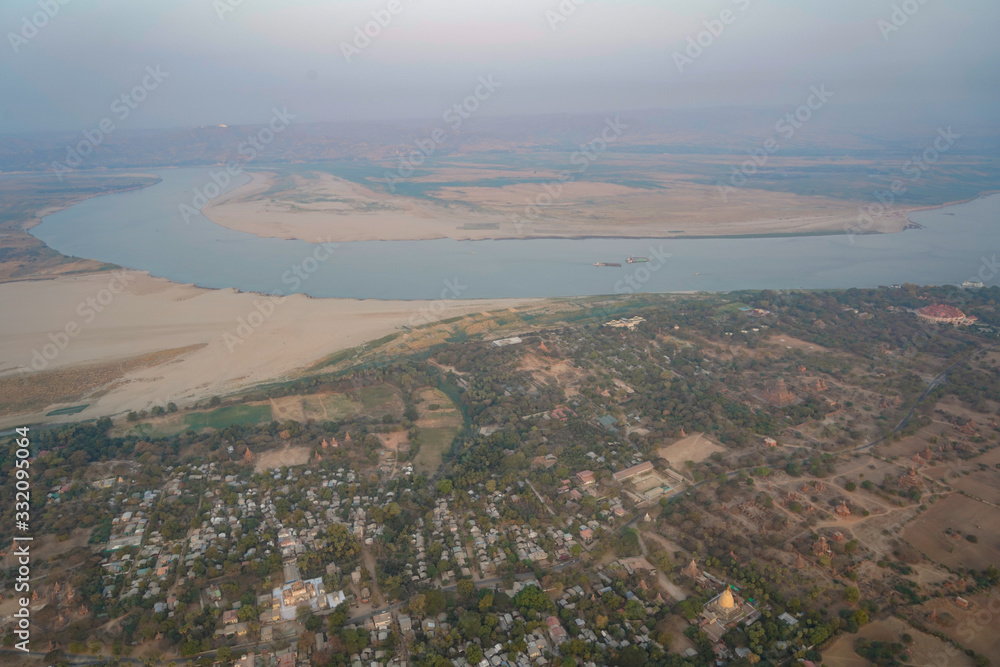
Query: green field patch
{"points": [[731, 307], [438, 426], [72, 410], [434, 442], [340, 406], [233, 415], [380, 400], [155, 430]]}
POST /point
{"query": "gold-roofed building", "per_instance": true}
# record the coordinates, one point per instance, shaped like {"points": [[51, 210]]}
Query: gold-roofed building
{"points": [[725, 601], [724, 611]]}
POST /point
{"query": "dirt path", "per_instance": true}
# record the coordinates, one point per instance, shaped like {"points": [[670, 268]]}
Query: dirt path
{"points": [[369, 561], [675, 591], [540, 499]]}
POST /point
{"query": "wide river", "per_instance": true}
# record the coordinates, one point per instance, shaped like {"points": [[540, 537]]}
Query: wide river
{"points": [[145, 230]]}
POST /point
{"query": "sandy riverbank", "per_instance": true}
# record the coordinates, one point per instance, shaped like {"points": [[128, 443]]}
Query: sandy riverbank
{"points": [[152, 315], [320, 207], [328, 209]]}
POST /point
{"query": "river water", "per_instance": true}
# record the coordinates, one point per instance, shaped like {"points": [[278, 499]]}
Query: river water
{"points": [[144, 230]]}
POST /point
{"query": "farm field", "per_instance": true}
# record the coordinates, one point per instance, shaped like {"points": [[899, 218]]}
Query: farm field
{"points": [[158, 428], [962, 516], [974, 627], [916, 443], [321, 407], [380, 400], [925, 650], [375, 401], [220, 418], [984, 484], [438, 428], [338, 406], [178, 422]]}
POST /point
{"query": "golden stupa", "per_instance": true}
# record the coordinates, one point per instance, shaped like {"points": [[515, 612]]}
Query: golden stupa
{"points": [[726, 600]]}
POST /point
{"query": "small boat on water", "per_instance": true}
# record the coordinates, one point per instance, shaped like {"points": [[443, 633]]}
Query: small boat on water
{"points": [[607, 264], [632, 259]]}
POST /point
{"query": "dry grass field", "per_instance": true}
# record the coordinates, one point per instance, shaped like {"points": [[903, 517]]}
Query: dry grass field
{"points": [[982, 484], [286, 456], [560, 372], [974, 627], [396, 441], [697, 448], [963, 516], [916, 443], [925, 650], [48, 546], [319, 407], [50, 389]]}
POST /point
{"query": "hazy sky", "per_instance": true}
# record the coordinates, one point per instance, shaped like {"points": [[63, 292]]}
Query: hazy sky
{"points": [[606, 55]]}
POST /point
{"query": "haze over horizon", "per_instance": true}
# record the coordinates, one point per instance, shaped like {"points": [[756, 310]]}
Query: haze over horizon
{"points": [[232, 61]]}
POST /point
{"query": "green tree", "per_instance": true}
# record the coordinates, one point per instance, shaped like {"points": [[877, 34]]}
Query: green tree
{"points": [[631, 656], [435, 602], [634, 610], [466, 589], [418, 605], [533, 597], [469, 624]]}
